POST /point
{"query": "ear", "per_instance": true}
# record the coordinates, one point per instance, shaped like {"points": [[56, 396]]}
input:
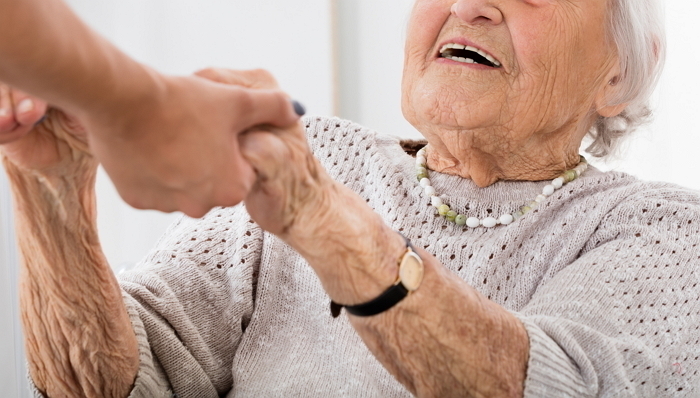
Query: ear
{"points": [[609, 89]]}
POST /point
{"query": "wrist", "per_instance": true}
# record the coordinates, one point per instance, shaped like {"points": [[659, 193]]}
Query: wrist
{"points": [[353, 251], [55, 198], [129, 97]]}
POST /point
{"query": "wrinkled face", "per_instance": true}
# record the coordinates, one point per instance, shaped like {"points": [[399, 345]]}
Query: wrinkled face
{"points": [[516, 72]]}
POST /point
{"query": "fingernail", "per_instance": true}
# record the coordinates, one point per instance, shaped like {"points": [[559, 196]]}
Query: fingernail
{"points": [[41, 120], [299, 108], [26, 105]]}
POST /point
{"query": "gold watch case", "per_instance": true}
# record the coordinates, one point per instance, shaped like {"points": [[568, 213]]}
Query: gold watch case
{"points": [[411, 270]]}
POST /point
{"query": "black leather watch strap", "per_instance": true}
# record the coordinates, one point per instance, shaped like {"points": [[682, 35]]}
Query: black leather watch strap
{"points": [[385, 301]]}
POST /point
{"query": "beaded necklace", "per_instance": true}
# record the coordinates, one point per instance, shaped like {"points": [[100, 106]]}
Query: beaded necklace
{"points": [[490, 222]]}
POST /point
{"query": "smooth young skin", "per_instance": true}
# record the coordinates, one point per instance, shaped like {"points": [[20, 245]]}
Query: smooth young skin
{"points": [[525, 120], [167, 143]]}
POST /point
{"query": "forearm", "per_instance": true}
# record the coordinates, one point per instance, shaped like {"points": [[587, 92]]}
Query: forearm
{"points": [[49, 52], [354, 263], [445, 339], [79, 338], [448, 340]]}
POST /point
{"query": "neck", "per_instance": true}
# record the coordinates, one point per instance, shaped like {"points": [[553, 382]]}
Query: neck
{"points": [[485, 165]]}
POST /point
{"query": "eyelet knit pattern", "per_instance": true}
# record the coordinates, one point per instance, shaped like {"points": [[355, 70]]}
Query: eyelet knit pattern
{"points": [[603, 274]]}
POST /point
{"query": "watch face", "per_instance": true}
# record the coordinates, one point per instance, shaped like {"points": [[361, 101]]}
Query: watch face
{"points": [[411, 271]]}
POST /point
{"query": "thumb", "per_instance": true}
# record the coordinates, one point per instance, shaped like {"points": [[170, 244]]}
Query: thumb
{"points": [[264, 151], [272, 107]]}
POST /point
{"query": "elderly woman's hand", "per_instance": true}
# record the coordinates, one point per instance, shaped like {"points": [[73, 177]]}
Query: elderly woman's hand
{"points": [[52, 148], [354, 253], [19, 113], [78, 334], [290, 181]]}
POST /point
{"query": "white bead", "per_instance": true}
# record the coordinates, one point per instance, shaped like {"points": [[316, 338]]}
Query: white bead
{"points": [[548, 190], [540, 198], [506, 219], [421, 152], [425, 182], [430, 191], [436, 201], [420, 160], [558, 182], [489, 222], [473, 222]]}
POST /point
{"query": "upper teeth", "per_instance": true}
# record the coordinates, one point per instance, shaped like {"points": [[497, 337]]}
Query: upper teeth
{"points": [[469, 48]]}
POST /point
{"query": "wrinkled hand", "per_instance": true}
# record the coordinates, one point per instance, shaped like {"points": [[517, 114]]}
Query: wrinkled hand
{"points": [[55, 148], [292, 188], [290, 181], [181, 152], [347, 244]]}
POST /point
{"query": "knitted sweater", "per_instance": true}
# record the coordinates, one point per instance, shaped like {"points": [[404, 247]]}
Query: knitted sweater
{"points": [[602, 274]]}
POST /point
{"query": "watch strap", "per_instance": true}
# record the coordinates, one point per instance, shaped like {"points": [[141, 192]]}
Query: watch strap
{"points": [[392, 296], [386, 300]]}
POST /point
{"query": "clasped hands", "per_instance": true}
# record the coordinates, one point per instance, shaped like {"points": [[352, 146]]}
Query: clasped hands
{"points": [[285, 189], [271, 166], [179, 149]]}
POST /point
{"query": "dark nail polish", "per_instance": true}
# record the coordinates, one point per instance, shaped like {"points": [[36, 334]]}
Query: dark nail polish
{"points": [[299, 108]]}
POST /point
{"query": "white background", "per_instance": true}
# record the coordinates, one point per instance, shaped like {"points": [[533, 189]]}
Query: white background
{"points": [[358, 78]]}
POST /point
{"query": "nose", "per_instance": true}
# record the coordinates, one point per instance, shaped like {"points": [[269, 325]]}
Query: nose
{"points": [[472, 11]]}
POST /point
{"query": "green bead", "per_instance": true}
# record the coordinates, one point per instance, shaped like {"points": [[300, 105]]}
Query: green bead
{"points": [[451, 215], [443, 210], [421, 176], [570, 175], [461, 220], [518, 214], [525, 209], [533, 204]]}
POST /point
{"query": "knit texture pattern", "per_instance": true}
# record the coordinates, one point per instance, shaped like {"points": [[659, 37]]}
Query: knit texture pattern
{"points": [[602, 274]]}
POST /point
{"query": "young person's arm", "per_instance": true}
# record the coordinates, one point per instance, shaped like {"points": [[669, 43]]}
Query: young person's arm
{"points": [[168, 143]]}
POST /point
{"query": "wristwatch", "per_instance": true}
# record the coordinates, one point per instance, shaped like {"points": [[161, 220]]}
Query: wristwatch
{"points": [[410, 277]]}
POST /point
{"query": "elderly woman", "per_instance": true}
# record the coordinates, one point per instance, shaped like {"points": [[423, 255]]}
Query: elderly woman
{"points": [[520, 272]]}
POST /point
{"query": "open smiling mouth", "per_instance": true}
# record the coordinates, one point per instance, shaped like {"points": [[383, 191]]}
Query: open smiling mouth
{"points": [[468, 55]]}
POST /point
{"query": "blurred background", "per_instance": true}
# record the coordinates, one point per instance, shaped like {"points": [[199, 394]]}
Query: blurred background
{"points": [[338, 57]]}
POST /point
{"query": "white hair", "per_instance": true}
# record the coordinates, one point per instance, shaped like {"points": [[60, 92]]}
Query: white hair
{"points": [[636, 28]]}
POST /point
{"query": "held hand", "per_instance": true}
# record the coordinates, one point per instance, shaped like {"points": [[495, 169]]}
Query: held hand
{"points": [[55, 148], [18, 113], [326, 222], [181, 151], [289, 179], [292, 188]]}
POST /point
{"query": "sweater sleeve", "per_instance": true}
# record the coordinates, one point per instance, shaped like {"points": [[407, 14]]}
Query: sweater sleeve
{"points": [[190, 301], [623, 320]]}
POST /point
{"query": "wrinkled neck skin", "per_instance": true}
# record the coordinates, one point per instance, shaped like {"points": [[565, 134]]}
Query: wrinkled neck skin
{"points": [[486, 156]]}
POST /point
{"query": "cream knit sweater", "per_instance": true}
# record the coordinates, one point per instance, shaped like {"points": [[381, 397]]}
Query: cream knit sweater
{"points": [[603, 275]]}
